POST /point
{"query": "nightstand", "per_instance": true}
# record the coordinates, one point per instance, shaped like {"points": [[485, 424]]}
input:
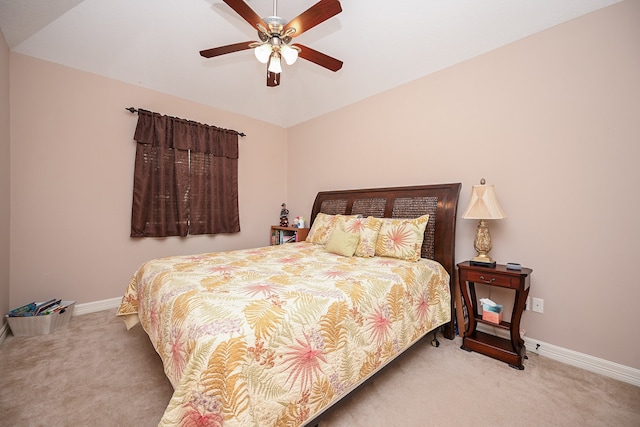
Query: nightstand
{"points": [[511, 351], [280, 235]]}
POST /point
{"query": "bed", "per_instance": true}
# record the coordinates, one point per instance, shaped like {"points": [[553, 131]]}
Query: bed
{"points": [[275, 336]]}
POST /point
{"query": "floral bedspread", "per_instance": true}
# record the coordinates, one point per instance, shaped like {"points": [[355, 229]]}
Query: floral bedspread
{"points": [[272, 336]]}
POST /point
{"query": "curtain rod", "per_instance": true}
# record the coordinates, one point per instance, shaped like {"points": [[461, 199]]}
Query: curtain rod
{"points": [[133, 111]]}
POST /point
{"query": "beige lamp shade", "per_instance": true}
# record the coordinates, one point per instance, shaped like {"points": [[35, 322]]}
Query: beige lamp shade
{"points": [[483, 204]]}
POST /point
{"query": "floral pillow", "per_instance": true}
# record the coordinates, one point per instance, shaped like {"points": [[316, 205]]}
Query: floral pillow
{"points": [[323, 226], [367, 229], [321, 229], [401, 238]]}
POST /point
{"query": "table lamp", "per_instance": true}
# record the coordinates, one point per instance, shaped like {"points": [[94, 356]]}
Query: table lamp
{"points": [[483, 206]]}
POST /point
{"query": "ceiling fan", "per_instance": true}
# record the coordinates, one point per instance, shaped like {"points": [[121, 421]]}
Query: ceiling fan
{"points": [[275, 37]]}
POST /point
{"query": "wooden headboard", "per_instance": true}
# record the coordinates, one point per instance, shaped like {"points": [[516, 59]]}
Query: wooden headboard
{"points": [[440, 201]]}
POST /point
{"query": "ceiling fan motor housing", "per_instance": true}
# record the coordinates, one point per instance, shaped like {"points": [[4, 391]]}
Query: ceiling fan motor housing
{"points": [[275, 23]]}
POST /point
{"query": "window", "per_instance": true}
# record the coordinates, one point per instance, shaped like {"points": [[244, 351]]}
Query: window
{"points": [[185, 178]]}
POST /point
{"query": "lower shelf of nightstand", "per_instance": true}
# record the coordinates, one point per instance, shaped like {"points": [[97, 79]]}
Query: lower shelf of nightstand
{"points": [[496, 347]]}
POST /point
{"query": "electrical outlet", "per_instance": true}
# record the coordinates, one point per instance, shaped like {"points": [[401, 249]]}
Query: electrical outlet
{"points": [[538, 305], [527, 305]]}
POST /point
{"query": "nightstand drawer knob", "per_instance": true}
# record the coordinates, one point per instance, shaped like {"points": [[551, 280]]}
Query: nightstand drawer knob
{"points": [[493, 279]]}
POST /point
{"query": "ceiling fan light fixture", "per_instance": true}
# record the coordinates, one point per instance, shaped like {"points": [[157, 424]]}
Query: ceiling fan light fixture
{"points": [[274, 64], [263, 52], [289, 54]]}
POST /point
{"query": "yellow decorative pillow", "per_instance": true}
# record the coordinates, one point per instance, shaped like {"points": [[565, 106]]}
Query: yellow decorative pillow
{"points": [[321, 229], [401, 238], [342, 242]]}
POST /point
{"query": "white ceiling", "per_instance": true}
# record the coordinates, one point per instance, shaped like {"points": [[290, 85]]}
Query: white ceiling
{"points": [[383, 44]]}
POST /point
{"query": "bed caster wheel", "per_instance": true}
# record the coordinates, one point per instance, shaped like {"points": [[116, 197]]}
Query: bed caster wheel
{"points": [[434, 340]]}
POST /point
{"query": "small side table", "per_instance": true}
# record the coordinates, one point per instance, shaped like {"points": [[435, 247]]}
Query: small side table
{"points": [[280, 235], [511, 351]]}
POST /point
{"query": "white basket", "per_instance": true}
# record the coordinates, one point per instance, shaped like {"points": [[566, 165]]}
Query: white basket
{"points": [[41, 325]]}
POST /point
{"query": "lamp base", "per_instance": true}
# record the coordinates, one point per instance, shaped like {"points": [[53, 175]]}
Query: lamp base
{"points": [[482, 245]]}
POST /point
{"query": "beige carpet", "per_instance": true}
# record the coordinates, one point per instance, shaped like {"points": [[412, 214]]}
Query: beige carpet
{"points": [[95, 373]]}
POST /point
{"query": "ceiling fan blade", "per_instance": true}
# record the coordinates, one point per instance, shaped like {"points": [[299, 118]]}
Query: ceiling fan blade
{"points": [[246, 13], [319, 58], [313, 16], [222, 50], [273, 79]]}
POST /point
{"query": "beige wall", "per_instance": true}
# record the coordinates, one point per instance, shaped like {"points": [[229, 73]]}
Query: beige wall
{"points": [[4, 178], [553, 121], [72, 158]]}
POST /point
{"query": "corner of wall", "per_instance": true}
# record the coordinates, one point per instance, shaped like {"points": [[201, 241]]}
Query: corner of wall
{"points": [[5, 194]]}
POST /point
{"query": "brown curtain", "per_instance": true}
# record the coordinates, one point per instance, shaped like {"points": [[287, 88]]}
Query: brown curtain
{"points": [[185, 178]]}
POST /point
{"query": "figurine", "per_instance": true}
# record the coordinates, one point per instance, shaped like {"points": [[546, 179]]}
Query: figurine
{"points": [[284, 219]]}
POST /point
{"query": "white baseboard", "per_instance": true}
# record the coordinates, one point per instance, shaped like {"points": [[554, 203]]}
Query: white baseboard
{"points": [[574, 358], [93, 307], [584, 361]]}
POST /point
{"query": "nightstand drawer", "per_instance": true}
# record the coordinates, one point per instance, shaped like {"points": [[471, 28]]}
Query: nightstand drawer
{"points": [[488, 278]]}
